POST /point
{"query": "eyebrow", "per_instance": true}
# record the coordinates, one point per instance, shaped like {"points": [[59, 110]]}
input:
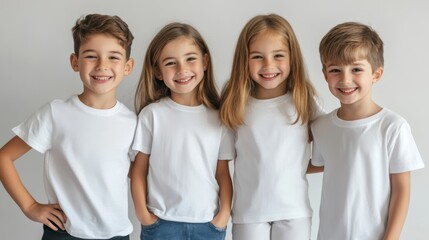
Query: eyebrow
{"points": [[111, 52], [275, 51], [187, 54], [357, 63]]}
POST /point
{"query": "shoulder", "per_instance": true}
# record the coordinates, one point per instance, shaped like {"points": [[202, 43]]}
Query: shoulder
{"points": [[324, 118], [393, 123], [152, 107], [126, 111]]}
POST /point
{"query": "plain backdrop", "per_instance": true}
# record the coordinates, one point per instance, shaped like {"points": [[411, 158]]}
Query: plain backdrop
{"points": [[36, 42]]}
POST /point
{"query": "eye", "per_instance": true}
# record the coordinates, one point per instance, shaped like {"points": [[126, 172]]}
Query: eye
{"points": [[279, 55], [255, 57], [114, 58], [169, 63], [90, 56], [357, 70], [334, 70], [191, 59]]}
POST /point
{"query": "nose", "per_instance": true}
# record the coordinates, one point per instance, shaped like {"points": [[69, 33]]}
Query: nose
{"points": [[346, 77], [102, 64], [182, 68], [267, 64]]}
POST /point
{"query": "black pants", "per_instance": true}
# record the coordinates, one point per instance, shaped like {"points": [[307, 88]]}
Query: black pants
{"points": [[49, 234]]}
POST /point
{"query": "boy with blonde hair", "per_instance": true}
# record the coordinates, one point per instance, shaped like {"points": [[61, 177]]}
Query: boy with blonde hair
{"points": [[367, 151]]}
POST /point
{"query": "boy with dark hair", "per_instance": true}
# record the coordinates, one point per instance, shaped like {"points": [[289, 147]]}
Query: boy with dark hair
{"points": [[85, 140]]}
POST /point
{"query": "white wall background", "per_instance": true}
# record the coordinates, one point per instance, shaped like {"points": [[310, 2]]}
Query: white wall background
{"points": [[35, 44]]}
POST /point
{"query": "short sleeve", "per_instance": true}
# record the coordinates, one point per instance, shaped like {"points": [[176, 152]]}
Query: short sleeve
{"points": [[316, 157], [227, 145], [143, 134], [36, 131], [403, 153]]}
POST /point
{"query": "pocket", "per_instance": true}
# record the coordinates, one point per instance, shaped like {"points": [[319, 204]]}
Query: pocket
{"points": [[153, 225], [219, 229]]}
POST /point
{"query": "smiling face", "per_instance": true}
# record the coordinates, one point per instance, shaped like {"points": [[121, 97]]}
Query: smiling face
{"points": [[352, 83], [181, 67], [102, 65], [269, 64]]}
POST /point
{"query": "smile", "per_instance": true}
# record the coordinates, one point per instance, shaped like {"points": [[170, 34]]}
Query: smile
{"points": [[184, 80], [347, 90], [101, 78], [271, 75]]}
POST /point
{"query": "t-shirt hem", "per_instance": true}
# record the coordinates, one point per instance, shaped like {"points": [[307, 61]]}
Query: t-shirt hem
{"points": [[262, 219], [125, 232]]}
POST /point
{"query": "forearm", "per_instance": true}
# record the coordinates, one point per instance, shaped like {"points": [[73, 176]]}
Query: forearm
{"points": [[225, 189], [9, 175], [398, 207], [14, 186], [138, 178]]}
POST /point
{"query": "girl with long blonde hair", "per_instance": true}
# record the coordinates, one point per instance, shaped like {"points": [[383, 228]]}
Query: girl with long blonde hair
{"points": [[269, 102]]}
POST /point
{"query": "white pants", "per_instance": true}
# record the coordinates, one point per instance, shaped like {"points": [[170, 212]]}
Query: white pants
{"points": [[293, 229]]}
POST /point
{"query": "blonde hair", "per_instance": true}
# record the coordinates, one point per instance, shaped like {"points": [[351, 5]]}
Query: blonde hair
{"points": [[351, 41], [151, 89], [240, 85]]}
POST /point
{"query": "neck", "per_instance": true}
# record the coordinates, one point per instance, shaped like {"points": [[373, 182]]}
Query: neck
{"points": [[262, 93], [185, 99], [98, 102], [353, 112]]}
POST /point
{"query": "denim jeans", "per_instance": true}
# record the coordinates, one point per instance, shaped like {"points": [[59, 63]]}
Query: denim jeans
{"points": [[49, 234], [169, 230]]}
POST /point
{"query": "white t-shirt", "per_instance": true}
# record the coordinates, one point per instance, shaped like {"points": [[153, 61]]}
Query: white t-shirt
{"points": [[185, 144], [270, 181], [359, 157], [86, 163]]}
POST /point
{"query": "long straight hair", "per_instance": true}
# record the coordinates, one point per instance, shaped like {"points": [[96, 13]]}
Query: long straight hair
{"points": [[150, 88], [240, 86]]}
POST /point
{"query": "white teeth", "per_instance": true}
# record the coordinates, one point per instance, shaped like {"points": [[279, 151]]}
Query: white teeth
{"points": [[347, 90], [183, 80], [269, 75], [102, 78]]}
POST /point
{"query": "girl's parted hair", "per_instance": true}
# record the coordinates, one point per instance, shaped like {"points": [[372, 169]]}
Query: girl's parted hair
{"points": [[240, 86], [151, 89]]}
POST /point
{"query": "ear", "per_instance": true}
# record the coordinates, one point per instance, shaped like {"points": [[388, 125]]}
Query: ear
{"points": [[74, 62], [205, 61], [376, 75], [129, 65], [157, 73]]}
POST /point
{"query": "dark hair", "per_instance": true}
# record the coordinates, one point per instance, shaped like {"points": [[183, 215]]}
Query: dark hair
{"points": [[104, 24]]}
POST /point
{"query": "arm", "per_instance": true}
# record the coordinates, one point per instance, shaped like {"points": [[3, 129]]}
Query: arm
{"points": [[314, 169], [138, 176], [225, 193], [44, 213], [398, 207]]}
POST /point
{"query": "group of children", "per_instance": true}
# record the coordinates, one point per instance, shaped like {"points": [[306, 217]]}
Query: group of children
{"points": [[266, 119]]}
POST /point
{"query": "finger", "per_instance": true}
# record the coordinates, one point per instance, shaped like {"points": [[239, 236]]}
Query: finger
{"points": [[59, 214], [48, 223], [56, 206], [59, 218], [56, 221]]}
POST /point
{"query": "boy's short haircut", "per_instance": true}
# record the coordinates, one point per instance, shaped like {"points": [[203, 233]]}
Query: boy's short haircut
{"points": [[349, 42], [102, 24]]}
